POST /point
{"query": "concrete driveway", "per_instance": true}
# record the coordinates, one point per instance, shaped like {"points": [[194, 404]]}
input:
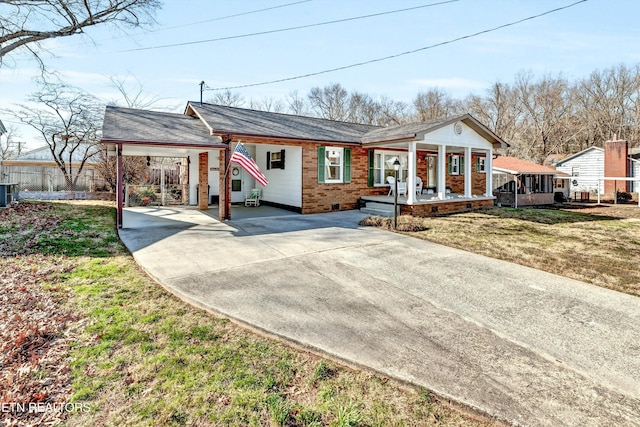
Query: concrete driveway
{"points": [[527, 347]]}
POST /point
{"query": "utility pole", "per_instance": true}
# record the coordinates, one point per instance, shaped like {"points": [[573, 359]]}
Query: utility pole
{"points": [[201, 90]]}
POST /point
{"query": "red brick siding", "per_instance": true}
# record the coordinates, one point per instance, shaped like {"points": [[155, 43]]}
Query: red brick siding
{"points": [[444, 207]]}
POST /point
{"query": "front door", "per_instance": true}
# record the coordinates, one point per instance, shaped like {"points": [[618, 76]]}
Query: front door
{"points": [[237, 186], [431, 170]]}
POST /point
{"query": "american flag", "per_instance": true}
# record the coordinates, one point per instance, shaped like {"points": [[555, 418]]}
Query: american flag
{"points": [[241, 156]]}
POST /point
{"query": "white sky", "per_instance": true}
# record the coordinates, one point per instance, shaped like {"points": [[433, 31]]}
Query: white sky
{"points": [[589, 36]]}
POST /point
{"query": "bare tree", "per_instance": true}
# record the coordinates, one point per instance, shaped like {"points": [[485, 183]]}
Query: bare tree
{"points": [[330, 102], [546, 122], [392, 112], [132, 93], [608, 103], [134, 169], [297, 104], [10, 147], [435, 104], [267, 104], [227, 98], [69, 121], [25, 23], [497, 109]]}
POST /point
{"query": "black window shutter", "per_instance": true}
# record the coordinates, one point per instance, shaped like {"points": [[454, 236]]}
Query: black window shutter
{"points": [[268, 159], [281, 159]]}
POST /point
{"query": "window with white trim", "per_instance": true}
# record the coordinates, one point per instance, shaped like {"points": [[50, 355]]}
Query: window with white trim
{"points": [[383, 166], [333, 164], [455, 165], [480, 165]]}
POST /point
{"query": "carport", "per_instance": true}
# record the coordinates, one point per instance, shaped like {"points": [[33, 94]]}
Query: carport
{"points": [[129, 132]]}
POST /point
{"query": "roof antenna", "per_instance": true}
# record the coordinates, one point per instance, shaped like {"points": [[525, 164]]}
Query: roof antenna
{"points": [[201, 90]]}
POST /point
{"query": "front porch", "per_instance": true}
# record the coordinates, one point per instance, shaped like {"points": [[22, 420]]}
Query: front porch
{"points": [[429, 204]]}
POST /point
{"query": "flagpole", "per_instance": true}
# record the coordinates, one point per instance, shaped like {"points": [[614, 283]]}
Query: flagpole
{"points": [[229, 165]]}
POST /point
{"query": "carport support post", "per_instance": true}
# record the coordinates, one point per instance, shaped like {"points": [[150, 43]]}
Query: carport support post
{"points": [[119, 192], [224, 205], [203, 181]]}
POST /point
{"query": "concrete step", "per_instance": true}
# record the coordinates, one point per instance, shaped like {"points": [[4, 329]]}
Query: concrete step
{"points": [[378, 209]]}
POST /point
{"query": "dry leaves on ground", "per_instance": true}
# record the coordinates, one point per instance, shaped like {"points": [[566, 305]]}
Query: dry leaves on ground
{"points": [[34, 326]]}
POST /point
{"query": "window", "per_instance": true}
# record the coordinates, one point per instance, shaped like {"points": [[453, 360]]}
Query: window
{"points": [[383, 166], [334, 165], [480, 165], [275, 160], [456, 164]]}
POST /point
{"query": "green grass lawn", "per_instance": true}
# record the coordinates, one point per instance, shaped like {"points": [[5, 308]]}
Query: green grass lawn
{"points": [[136, 355]]}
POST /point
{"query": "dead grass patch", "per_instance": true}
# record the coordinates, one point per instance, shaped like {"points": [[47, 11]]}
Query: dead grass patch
{"points": [[597, 245]]}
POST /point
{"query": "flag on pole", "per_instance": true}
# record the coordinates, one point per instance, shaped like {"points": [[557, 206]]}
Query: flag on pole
{"points": [[241, 156]]}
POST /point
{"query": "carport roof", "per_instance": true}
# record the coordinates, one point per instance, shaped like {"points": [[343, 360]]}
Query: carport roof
{"points": [[130, 125], [241, 121]]}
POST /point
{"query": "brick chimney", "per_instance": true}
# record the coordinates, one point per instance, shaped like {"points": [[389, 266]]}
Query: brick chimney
{"points": [[616, 164]]}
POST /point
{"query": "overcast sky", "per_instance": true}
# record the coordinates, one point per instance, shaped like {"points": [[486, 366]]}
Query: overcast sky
{"points": [[575, 41]]}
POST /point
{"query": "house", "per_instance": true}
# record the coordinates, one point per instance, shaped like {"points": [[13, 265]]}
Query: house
{"points": [[603, 170], [518, 182], [313, 165]]}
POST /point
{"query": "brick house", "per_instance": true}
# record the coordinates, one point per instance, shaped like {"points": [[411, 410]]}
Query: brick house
{"points": [[313, 165]]}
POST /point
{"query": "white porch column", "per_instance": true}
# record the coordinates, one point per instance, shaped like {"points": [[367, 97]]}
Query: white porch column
{"points": [[488, 167], [411, 179], [467, 172], [441, 180]]}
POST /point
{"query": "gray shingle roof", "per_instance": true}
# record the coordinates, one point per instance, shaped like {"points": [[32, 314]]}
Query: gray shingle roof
{"points": [[408, 131], [241, 121], [132, 125]]}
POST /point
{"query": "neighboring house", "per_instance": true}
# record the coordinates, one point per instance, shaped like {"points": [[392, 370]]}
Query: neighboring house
{"points": [[313, 165], [37, 171], [518, 182], [593, 170]]}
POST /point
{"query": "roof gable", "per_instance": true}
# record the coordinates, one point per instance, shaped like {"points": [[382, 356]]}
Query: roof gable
{"points": [[240, 121], [418, 131], [578, 154]]}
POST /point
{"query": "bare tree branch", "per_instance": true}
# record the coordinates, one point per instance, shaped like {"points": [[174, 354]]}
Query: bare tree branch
{"points": [[24, 23]]}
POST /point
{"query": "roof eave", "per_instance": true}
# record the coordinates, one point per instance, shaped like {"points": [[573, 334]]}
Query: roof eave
{"points": [[210, 146]]}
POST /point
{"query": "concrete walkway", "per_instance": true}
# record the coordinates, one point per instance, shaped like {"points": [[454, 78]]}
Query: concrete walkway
{"points": [[527, 347]]}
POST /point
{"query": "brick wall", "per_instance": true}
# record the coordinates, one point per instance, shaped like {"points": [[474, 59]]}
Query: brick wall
{"points": [[616, 164], [444, 208], [203, 181], [319, 197]]}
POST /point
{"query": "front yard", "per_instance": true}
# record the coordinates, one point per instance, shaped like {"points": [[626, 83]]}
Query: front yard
{"points": [[81, 323]]}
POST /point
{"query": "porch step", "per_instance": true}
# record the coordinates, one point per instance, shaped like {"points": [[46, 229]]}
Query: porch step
{"points": [[378, 209]]}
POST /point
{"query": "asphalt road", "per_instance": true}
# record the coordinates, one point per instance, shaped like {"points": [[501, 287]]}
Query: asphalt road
{"points": [[525, 346]]}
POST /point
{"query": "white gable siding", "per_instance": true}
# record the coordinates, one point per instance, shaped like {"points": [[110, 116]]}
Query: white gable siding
{"points": [[285, 185], [467, 138], [590, 167], [635, 173]]}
